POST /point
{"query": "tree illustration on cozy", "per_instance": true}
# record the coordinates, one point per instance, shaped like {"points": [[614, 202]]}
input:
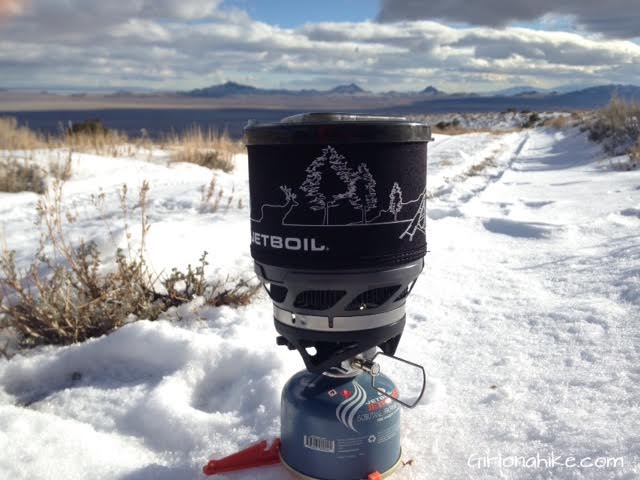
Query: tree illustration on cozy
{"points": [[395, 201], [364, 196], [328, 182]]}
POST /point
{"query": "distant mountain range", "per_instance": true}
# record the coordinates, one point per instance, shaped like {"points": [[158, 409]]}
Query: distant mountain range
{"points": [[433, 91], [588, 98], [431, 99], [347, 97], [232, 88], [528, 90]]}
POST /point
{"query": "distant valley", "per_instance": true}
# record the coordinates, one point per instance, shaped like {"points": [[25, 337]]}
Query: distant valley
{"points": [[350, 97], [228, 106]]}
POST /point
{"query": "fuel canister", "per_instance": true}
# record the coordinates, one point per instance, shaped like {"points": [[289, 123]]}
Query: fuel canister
{"points": [[339, 428]]}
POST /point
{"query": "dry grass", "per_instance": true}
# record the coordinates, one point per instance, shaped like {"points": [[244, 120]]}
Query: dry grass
{"points": [[560, 122], [453, 127], [616, 126], [73, 301], [209, 148], [479, 168], [79, 138], [184, 287], [466, 130], [447, 162], [634, 156], [66, 296], [15, 137], [100, 142], [532, 120], [19, 175], [61, 169], [472, 171], [456, 130], [634, 153], [213, 198], [23, 174]]}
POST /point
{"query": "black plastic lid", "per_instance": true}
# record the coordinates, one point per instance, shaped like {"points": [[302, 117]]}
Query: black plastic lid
{"points": [[314, 128]]}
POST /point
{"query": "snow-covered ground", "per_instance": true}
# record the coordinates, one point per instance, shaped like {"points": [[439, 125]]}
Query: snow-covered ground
{"points": [[496, 121], [526, 319]]}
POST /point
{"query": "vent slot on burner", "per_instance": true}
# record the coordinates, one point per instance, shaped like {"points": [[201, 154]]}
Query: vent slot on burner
{"points": [[277, 292], [318, 299], [372, 298]]}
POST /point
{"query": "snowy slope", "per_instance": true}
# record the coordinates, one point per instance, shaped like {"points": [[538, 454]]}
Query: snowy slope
{"points": [[526, 319]]}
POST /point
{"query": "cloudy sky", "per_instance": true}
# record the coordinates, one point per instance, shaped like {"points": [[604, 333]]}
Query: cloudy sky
{"points": [[382, 45]]}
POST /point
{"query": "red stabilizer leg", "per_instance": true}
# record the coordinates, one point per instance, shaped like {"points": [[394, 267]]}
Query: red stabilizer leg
{"points": [[257, 455]]}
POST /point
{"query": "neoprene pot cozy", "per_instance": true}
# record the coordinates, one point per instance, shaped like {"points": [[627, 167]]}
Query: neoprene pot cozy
{"points": [[338, 228]]}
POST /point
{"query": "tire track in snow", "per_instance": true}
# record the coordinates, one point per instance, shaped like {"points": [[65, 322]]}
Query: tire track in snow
{"points": [[508, 166], [462, 182]]}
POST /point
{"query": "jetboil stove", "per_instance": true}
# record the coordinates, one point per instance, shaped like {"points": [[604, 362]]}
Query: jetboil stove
{"points": [[338, 239]]}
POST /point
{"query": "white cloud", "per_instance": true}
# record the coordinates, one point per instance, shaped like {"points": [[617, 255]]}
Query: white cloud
{"points": [[180, 45], [181, 10], [619, 18]]}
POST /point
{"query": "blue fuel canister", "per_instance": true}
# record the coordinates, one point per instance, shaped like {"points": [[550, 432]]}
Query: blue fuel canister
{"points": [[339, 428]]}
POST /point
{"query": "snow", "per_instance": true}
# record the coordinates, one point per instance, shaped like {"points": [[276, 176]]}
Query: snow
{"points": [[525, 318], [495, 121]]}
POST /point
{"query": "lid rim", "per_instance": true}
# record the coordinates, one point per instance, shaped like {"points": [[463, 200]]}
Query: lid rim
{"points": [[315, 128]]}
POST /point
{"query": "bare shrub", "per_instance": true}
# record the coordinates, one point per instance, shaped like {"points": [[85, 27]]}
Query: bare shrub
{"points": [[184, 287], [213, 198], [23, 175], [209, 159], [74, 300], [532, 120], [65, 296], [91, 126], [16, 137], [61, 169], [209, 148], [91, 136], [453, 127], [4, 350], [479, 168], [444, 125], [18, 175], [559, 122], [447, 162], [616, 126], [634, 156]]}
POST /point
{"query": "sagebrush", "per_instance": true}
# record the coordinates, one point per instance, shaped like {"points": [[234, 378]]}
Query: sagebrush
{"points": [[92, 136], [209, 148], [559, 122], [18, 175], [532, 120], [24, 174], [67, 295], [634, 156], [616, 126]]}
